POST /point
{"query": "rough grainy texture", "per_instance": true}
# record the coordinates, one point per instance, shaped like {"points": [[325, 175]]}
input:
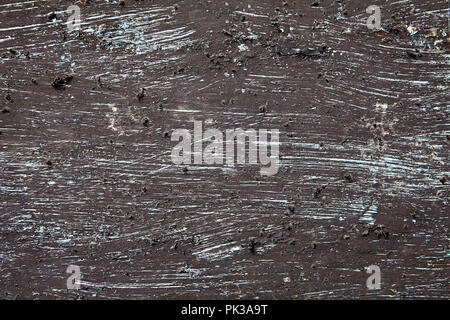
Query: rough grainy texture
{"points": [[87, 179]]}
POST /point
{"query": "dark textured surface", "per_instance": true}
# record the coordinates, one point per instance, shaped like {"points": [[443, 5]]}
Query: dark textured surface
{"points": [[86, 176]]}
